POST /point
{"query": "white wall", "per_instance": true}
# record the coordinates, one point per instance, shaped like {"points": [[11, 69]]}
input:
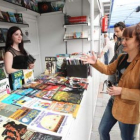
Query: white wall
{"points": [[33, 47]]}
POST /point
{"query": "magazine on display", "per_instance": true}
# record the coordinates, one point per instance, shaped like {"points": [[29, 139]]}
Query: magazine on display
{"points": [[50, 122], [28, 76], [65, 108], [7, 110], [19, 17], [50, 65], [17, 79], [4, 33], [4, 86], [10, 128]]}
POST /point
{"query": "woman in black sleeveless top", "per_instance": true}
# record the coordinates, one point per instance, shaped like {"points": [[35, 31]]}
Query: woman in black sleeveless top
{"points": [[15, 55]]}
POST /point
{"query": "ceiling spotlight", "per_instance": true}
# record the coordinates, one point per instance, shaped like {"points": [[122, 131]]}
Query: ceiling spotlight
{"points": [[138, 9]]}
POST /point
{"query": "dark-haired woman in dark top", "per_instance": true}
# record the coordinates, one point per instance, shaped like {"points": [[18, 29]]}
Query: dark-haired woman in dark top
{"points": [[15, 55]]}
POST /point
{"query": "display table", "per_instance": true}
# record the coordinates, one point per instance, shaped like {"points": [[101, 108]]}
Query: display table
{"points": [[81, 127]]}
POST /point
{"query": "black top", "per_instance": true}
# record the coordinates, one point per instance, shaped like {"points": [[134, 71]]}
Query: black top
{"points": [[121, 68], [19, 61]]}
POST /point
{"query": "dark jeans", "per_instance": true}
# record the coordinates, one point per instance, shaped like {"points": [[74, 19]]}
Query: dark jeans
{"points": [[108, 121], [106, 58]]}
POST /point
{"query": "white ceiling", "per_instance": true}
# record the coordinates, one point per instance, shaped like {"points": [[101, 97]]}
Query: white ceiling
{"points": [[124, 10]]}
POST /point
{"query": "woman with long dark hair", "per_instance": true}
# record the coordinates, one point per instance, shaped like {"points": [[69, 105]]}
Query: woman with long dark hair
{"points": [[124, 105], [15, 55]]}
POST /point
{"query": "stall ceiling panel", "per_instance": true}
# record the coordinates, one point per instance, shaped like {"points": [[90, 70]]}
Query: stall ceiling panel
{"points": [[125, 11]]}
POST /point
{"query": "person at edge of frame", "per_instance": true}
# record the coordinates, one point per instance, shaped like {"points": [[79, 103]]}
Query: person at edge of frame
{"points": [[123, 105], [118, 48], [16, 57]]}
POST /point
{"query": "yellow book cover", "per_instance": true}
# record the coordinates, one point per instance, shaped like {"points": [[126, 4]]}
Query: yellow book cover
{"points": [[65, 108], [20, 113]]}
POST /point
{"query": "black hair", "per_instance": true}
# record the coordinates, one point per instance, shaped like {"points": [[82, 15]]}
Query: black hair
{"points": [[8, 137], [9, 40], [121, 25]]}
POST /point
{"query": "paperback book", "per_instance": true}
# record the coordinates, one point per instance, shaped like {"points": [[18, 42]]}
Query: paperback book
{"points": [[17, 79], [22, 101], [11, 99], [1, 16], [6, 16], [7, 110], [12, 17], [13, 130], [19, 17], [38, 104], [65, 108], [60, 59], [29, 117], [4, 86], [41, 136], [28, 76], [70, 97], [50, 65], [50, 122]]}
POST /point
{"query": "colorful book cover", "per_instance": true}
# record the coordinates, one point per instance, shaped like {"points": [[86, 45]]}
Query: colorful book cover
{"points": [[41, 104], [41, 86], [70, 97], [41, 136], [60, 59], [32, 93], [65, 108], [50, 65], [19, 17], [31, 102], [20, 113], [14, 130], [12, 17], [6, 16], [11, 98], [52, 88], [48, 95], [22, 101], [17, 79], [7, 110], [30, 116], [4, 33], [3, 95], [50, 122], [28, 76], [4, 86], [40, 94], [23, 92]]}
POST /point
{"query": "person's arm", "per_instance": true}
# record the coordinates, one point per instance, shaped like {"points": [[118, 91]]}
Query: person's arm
{"points": [[105, 49], [8, 61], [106, 69]]}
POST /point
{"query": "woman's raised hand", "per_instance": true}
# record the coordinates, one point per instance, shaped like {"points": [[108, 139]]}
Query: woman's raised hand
{"points": [[89, 59]]}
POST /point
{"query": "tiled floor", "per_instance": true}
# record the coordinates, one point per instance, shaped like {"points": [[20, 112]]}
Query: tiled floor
{"points": [[100, 107]]}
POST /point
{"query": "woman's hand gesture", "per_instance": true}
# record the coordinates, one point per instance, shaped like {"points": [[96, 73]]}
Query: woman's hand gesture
{"points": [[89, 59]]}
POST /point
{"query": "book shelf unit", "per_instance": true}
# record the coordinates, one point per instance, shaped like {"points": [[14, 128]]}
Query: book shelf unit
{"points": [[75, 25], [18, 8]]}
